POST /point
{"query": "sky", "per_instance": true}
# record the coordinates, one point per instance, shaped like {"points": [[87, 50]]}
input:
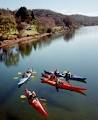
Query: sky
{"points": [[84, 7]]}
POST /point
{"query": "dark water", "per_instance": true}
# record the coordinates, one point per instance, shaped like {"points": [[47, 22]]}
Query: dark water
{"points": [[76, 52]]}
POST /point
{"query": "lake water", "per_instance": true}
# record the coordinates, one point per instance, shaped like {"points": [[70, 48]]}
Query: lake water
{"points": [[77, 52]]}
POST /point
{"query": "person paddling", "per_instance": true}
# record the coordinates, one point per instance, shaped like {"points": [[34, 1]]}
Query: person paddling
{"points": [[56, 73], [24, 75], [32, 95], [58, 82], [52, 77], [67, 75]]}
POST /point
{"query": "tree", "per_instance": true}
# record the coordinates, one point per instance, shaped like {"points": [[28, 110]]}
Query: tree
{"points": [[67, 22], [22, 13], [32, 15]]}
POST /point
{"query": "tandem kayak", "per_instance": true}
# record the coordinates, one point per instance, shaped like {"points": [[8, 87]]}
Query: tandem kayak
{"points": [[64, 85], [35, 103], [72, 77], [23, 80]]}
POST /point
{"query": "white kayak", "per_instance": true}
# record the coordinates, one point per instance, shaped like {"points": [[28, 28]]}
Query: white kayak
{"points": [[23, 80]]}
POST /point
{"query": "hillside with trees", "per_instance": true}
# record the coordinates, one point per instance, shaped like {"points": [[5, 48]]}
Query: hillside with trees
{"points": [[24, 22]]}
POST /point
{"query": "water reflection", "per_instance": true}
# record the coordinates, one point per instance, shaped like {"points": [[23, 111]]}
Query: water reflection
{"points": [[9, 93], [10, 116], [25, 49], [10, 56], [68, 36]]}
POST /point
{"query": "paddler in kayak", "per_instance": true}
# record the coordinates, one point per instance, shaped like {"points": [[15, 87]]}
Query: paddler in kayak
{"points": [[56, 73], [29, 70], [25, 74], [58, 82], [67, 75], [52, 77], [32, 95]]}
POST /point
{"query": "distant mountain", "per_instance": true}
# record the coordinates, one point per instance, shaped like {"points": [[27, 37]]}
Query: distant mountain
{"points": [[85, 20], [58, 17]]}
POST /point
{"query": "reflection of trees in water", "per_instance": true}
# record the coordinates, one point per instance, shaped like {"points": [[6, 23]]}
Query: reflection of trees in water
{"points": [[68, 36], [44, 42], [25, 49], [10, 56]]}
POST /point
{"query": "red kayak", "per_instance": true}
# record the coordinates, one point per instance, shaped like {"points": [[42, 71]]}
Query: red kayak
{"points": [[64, 85], [35, 103]]}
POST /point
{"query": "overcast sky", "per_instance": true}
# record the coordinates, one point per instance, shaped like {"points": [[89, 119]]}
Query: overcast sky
{"points": [[85, 7]]}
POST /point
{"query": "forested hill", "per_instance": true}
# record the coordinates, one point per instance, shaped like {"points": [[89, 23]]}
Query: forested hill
{"points": [[79, 19], [85, 20], [25, 22]]}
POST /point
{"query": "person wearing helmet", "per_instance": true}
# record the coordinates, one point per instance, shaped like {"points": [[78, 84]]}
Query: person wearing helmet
{"points": [[24, 75], [32, 95], [56, 73], [29, 70], [67, 75]]}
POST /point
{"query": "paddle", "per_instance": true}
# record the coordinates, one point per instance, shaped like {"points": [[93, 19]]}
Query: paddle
{"points": [[19, 73], [23, 97], [34, 72], [15, 77], [32, 76], [41, 99]]}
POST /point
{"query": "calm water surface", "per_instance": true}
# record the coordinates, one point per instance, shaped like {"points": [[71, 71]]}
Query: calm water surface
{"points": [[77, 52]]}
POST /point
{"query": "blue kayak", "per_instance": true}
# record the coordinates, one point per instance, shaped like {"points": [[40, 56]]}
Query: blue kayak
{"points": [[23, 80], [75, 77], [72, 77]]}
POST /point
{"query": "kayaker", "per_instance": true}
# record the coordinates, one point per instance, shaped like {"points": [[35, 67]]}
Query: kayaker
{"points": [[56, 73], [32, 95], [67, 75], [52, 77], [58, 82], [24, 75], [29, 70]]}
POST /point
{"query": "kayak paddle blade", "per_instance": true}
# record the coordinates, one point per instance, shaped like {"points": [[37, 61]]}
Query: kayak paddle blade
{"points": [[23, 97], [19, 73], [15, 78]]}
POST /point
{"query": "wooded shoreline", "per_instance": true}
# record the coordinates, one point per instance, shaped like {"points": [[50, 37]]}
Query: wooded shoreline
{"points": [[17, 40]]}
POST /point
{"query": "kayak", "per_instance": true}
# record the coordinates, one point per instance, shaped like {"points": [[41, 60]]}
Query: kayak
{"points": [[73, 77], [23, 80], [36, 104], [64, 85]]}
